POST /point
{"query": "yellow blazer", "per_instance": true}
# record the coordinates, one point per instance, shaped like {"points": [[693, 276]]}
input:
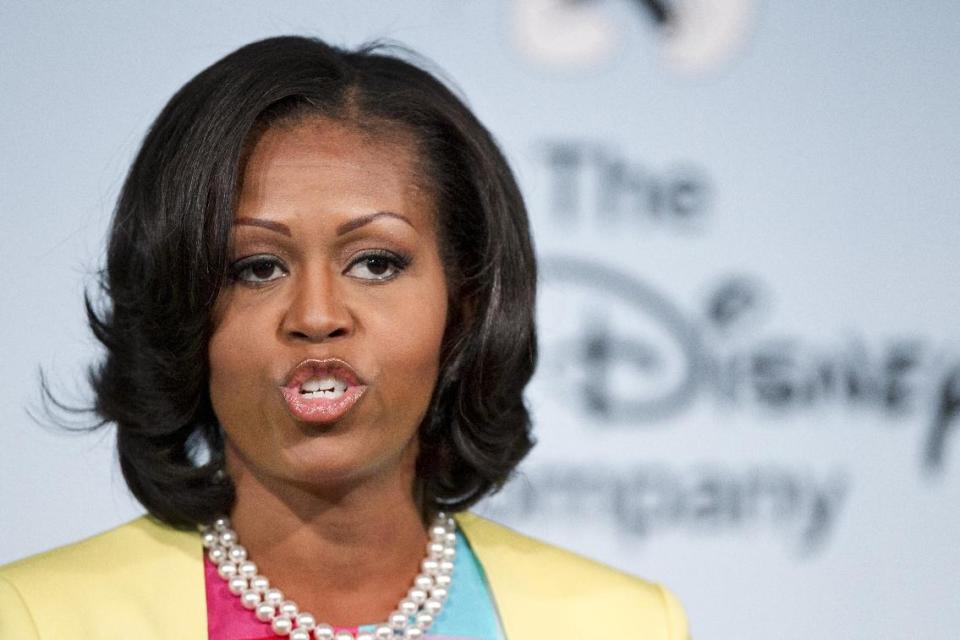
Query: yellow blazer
{"points": [[144, 580]]}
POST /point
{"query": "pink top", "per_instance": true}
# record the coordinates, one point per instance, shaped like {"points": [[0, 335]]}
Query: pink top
{"points": [[226, 617]]}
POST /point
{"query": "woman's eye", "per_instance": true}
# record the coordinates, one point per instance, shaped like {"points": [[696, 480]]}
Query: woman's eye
{"points": [[257, 270], [377, 266]]}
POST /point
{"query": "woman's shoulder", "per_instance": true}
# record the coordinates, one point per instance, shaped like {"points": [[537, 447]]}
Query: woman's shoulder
{"points": [[139, 540], [501, 543], [531, 579], [63, 591]]}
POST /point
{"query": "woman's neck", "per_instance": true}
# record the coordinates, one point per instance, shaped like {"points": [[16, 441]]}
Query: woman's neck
{"points": [[347, 553]]}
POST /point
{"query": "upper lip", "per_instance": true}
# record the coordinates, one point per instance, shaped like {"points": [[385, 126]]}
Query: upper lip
{"points": [[313, 368]]}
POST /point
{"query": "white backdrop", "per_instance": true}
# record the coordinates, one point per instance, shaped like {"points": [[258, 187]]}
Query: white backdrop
{"points": [[748, 220]]}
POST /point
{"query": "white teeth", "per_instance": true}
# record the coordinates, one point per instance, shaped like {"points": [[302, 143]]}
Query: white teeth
{"points": [[325, 387]]}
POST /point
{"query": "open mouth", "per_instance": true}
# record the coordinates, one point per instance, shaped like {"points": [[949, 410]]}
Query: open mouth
{"points": [[325, 387], [322, 390]]}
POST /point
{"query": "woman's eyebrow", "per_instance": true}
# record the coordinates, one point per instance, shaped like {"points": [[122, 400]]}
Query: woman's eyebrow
{"points": [[279, 227], [344, 228], [356, 223]]}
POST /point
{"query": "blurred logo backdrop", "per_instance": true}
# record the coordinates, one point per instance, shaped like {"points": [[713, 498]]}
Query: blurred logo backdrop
{"points": [[747, 214]]}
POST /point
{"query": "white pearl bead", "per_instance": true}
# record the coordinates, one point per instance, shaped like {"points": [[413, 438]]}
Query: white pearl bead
{"points": [[228, 538], [397, 620], [210, 539], [247, 569], [260, 584], [238, 585], [424, 601], [306, 621], [408, 607], [265, 612], [227, 570], [273, 596], [423, 581], [424, 620], [282, 625], [433, 606], [237, 554]]}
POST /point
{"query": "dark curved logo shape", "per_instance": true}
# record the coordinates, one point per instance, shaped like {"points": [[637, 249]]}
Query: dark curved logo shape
{"points": [[599, 352]]}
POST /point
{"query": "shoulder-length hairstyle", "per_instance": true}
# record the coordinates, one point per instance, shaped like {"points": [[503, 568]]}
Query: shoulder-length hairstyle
{"points": [[167, 260]]}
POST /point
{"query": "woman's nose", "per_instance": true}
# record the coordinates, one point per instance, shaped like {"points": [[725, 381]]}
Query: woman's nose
{"points": [[316, 310]]}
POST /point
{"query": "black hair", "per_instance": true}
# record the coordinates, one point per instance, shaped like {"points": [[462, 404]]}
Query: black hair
{"points": [[167, 260]]}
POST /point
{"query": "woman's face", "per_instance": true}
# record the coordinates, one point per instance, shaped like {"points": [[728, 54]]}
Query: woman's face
{"points": [[326, 344]]}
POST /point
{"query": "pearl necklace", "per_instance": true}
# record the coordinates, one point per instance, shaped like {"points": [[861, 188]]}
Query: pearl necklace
{"points": [[413, 616]]}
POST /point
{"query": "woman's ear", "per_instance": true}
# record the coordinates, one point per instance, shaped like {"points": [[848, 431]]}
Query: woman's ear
{"points": [[461, 310], [467, 311]]}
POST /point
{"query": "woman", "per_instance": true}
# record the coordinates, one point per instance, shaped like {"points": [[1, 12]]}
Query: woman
{"points": [[321, 289]]}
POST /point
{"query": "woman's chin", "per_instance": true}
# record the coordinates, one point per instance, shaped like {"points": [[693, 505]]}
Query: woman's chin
{"points": [[328, 465]]}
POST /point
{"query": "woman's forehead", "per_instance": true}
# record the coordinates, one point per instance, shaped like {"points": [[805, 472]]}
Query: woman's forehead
{"points": [[318, 141], [323, 165]]}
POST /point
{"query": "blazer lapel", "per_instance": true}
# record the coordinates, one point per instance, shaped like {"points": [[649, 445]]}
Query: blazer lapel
{"points": [[515, 569]]}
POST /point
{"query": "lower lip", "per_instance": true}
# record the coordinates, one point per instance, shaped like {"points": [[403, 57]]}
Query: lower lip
{"points": [[321, 410]]}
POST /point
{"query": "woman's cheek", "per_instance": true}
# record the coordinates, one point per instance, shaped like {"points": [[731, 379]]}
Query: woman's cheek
{"points": [[409, 354], [235, 364]]}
